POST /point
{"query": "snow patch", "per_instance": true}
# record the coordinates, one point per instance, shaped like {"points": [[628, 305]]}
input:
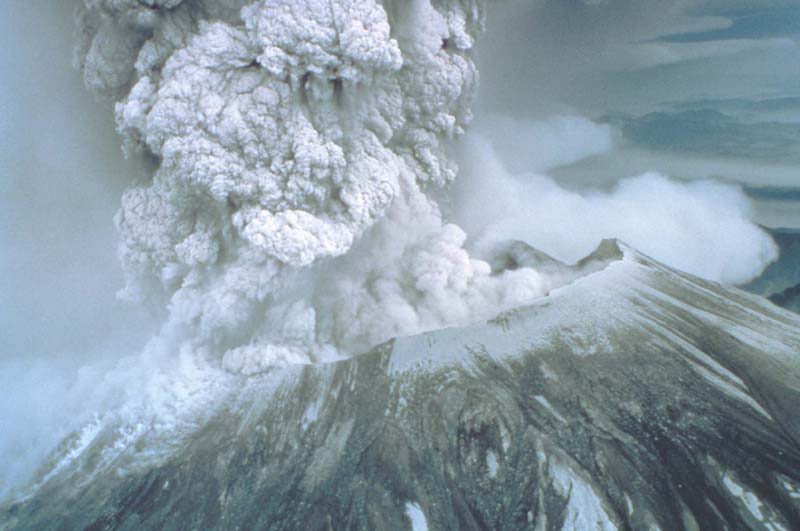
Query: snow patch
{"points": [[791, 488], [584, 509], [751, 502], [491, 463], [417, 517], [543, 401]]}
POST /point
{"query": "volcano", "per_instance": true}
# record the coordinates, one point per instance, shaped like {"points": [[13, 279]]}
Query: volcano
{"points": [[634, 397]]}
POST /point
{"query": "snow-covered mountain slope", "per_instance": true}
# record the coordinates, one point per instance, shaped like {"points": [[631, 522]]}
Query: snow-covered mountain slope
{"points": [[635, 397]]}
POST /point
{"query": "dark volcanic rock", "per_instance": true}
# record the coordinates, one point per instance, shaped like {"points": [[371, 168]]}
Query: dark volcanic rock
{"points": [[634, 398], [788, 298], [780, 282]]}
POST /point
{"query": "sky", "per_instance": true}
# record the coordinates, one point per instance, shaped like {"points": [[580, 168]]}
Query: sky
{"points": [[61, 177], [692, 89]]}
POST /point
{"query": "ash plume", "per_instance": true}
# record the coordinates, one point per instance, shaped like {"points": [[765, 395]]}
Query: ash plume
{"points": [[287, 134], [299, 149]]}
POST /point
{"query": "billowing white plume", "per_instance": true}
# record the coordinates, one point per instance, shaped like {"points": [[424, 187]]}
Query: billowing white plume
{"points": [[298, 146], [284, 131]]}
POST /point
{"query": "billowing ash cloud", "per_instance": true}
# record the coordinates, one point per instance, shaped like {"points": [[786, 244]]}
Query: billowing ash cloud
{"points": [[298, 146], [283, 132]]}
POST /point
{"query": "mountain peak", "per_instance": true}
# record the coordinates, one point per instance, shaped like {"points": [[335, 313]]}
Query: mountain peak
{"points": [[635, 396]]}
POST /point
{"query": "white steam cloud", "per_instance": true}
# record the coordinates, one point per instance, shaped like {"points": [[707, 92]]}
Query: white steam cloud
{"points": [[299, 145], [701, 227], [541, 145]]}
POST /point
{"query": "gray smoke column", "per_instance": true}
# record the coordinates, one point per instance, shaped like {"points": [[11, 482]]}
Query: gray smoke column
{"points": [[287, 134]]}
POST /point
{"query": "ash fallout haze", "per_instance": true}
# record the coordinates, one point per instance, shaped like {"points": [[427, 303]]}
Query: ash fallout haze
{"points": [[381, 264]]}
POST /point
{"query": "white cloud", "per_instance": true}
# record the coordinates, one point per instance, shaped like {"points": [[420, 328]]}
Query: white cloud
{"points": [[526, 145], [701, 227], [656, 53]]}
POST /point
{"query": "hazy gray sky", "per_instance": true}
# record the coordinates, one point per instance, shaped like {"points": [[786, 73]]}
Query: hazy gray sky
{"points": [[62, 177], [626, 55], [694, 89]]}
